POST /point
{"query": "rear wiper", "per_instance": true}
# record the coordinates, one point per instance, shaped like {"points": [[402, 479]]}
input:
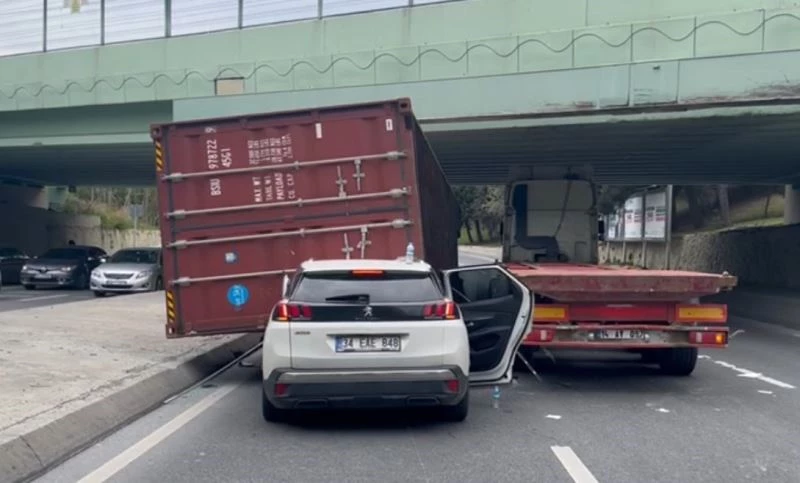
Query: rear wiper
{"points": [[353, 297]]}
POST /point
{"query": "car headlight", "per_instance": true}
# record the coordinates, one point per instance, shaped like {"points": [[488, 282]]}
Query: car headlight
{"points": [[25, 268], [144, 274], [96, 274]]}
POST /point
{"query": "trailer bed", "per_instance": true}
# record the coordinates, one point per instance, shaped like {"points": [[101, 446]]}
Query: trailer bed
{"points": [[604, 283]]}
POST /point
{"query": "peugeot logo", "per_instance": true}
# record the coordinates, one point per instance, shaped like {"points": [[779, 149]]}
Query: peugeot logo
{"points": [[367, 311]]}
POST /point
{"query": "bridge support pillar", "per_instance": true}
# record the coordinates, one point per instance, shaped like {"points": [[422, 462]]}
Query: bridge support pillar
{"points": [[791, 204]]}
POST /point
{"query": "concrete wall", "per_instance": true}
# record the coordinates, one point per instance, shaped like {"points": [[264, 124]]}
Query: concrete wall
{"points": [[34, 230], [472, 38], [22, 195], [765, 256]]}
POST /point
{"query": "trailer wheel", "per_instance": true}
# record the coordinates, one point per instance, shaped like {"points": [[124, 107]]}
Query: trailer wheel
{"points": [[679, 361], [271, 413]]}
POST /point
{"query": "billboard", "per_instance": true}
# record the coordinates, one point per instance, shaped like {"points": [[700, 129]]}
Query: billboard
{"points": [[655, 217], [632, 224]]}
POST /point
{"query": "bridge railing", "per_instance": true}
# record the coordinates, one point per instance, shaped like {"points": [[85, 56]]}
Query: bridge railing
{"points": [[29, 26]]}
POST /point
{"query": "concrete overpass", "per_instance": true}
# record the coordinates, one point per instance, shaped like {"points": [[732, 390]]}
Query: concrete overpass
{"points": [[682, 93]]}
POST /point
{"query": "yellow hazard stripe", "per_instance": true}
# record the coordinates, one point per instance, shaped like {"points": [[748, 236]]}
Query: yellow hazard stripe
{"points": [[170, 307], [159, 157]]}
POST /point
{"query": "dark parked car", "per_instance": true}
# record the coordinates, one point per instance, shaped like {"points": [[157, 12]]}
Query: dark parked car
{"points": [[11, 262], [62, 267]]}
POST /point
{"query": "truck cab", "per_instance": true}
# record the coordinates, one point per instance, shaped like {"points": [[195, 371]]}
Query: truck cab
{"points": [[551, 220]]}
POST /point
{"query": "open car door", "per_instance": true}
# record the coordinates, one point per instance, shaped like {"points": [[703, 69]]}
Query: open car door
{"points": [[497, 310]]}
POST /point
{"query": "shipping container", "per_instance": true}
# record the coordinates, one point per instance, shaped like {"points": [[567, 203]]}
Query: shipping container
{"points": [[244, 200]]}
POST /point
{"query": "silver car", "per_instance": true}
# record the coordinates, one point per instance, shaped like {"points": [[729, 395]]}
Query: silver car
{"points": [[129, 270]]}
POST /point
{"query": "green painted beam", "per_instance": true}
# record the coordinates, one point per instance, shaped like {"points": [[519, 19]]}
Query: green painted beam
{"points": [[473, 38]]}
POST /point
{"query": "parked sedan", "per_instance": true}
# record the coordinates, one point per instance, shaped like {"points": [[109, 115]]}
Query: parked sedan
{"points": [[11, 262], [62, 267], [129, 270]]}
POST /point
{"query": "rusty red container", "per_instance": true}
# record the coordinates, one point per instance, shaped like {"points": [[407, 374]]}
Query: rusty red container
{"points": [[245, 200]]}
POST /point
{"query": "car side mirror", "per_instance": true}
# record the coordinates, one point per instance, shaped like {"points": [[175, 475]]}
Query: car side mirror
{"points": [[601, 230]]}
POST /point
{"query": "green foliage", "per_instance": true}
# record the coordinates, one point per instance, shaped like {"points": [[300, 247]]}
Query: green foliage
{"points": [[111, 205], [482, 209]]}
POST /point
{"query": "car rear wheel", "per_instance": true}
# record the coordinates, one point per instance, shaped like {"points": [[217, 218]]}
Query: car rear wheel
{"points": [[459, 412], [271, 413], [679, 361]]}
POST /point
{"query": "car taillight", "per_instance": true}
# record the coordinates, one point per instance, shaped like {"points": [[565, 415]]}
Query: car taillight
{"points": [[443, 310], [286, 312]]}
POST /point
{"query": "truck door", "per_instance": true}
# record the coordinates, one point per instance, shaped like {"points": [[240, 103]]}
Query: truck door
{"points": [[497, 310]]}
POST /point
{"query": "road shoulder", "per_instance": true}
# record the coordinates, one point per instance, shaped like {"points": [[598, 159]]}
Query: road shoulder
{"points": [[72, 374]]}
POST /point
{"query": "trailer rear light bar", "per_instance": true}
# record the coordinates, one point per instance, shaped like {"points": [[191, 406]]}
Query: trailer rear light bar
{"points": [[284, 166], [709, 314], [637, 312], [397, 224], [299, 203]]}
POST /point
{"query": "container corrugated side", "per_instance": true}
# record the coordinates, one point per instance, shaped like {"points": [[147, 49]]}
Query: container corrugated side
{"points": [[341, 183]]}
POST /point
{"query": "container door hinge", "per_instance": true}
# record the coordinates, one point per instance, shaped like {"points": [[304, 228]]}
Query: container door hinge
{"points": [[340, 181], [358, 175], [347, 248], [362, 245]]}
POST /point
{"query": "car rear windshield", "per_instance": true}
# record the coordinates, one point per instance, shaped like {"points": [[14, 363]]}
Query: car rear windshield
{"points": [[385, 287]]}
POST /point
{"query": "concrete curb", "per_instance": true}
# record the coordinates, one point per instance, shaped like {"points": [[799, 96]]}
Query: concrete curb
{"points": [[27, 456]]}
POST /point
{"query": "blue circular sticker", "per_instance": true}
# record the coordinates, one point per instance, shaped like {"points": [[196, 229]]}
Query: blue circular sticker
{"points": [[238, 295]]}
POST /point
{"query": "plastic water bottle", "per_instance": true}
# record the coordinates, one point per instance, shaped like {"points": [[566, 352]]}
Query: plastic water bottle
{"points": [[496, 397], [410, 253]]}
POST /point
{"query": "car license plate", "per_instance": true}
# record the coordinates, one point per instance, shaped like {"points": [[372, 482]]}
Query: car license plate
{"points": [[43, 276], [117, 282], [613, 334], [368, 343]]}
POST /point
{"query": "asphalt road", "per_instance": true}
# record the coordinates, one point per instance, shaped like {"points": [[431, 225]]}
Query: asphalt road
{"points": [[14, 297], [735, 419]]}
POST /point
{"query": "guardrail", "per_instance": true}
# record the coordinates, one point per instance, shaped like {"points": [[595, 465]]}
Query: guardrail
{"points": [[29, 26]]}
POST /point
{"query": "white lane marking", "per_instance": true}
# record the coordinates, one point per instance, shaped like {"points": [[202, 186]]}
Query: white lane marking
{"points": [[115, 465], [764, 392], [574, 466], [43, 297], [747, 373], [553, 416]]}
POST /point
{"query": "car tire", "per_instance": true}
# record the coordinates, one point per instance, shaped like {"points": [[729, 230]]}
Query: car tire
{"points": [[30, 287], [459, 412], [159, 286], [679, 361], [99, 294], [270, 413], [82, 282]]}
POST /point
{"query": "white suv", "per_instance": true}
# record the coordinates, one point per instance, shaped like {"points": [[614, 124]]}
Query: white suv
{"points": [[378, 333]]}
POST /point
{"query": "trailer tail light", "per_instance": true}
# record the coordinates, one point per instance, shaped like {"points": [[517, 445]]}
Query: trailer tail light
{"points": [[714, 314], [443, 310], [708, 338], [286, 312], [550, 313], [541, 335]]}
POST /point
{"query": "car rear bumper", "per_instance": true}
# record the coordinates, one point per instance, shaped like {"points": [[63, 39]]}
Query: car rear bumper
{"points": [[373, 388]]}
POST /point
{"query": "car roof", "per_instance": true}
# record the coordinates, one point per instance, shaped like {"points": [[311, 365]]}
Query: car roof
{"points": [[368, 264]]}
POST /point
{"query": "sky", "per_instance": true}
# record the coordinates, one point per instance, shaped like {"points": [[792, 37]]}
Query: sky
{"points": [[22, 21]]}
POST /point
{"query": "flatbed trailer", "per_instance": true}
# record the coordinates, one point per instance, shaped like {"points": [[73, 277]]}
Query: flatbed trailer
{"points": [[580, 306]]}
